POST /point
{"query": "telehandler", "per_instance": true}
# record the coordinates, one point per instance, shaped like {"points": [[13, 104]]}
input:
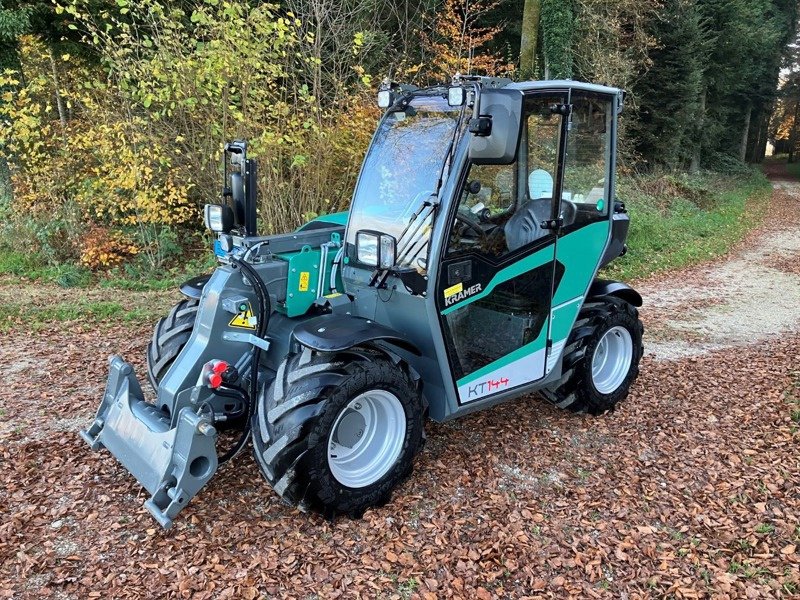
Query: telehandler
{"points": [[463, 275]]}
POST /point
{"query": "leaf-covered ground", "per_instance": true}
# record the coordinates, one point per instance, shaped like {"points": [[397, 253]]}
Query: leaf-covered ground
{"points": [[690, 489]]}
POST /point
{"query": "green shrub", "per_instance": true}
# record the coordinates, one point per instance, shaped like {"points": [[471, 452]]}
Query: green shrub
{"points": [[681, 220]]}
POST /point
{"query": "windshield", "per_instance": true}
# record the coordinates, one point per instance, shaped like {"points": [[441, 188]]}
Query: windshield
{"points": [[400, 173]]}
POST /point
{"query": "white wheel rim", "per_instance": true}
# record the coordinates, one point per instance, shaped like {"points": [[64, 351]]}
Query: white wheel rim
{"points": [[366, 439], [612, 360]]}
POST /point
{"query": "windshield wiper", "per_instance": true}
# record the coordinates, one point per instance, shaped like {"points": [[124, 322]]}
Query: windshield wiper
{"points": [[409, 239]]}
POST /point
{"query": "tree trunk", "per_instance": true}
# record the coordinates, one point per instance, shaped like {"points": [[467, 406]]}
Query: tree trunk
{"points": [[530, 38], [745, 133], [62, 113], [694, 168], [793, 134], [6, 191], [760, 149]]}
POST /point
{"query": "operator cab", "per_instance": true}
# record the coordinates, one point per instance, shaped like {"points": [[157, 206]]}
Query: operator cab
{"points": [[502, 207], [491, 215]]}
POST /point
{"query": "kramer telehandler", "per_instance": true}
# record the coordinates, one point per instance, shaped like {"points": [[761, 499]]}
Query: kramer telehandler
{"points": [[464, 275]]}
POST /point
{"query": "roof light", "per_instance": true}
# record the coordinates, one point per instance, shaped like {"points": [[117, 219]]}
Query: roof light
{"points": [[385, 98]]}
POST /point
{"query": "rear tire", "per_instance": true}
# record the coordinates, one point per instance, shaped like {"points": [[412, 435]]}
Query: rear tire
{"points": [[601, 358], [169, 337], [322, 407]]}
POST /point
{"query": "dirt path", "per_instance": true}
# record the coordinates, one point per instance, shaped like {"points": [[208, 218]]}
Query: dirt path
{"points": [[748, 296], [688, 490]]}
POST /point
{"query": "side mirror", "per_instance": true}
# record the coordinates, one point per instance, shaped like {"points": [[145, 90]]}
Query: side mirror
{"points": [[474, 186], [498, 146]]}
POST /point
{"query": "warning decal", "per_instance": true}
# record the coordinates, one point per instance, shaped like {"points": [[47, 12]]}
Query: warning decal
{"points": [[244, 318], [304, 276], [453, 290]]}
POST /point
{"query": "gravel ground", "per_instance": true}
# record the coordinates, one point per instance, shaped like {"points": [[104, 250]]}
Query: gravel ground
{"points": [[752, 295], [688, 490]]}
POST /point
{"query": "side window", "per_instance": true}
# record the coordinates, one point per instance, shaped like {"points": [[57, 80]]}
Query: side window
{"points": [[588, 148], [495, 191], [486, 203], [542, 157]]}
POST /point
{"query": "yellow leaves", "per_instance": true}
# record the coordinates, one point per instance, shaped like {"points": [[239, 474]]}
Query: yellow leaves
{"points": [[457, 44], [143, 137]]}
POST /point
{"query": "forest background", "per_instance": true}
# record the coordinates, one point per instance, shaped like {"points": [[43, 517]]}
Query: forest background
{"points": [[113, 114]]}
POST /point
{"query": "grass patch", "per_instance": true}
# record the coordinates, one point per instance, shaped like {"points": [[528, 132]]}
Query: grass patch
{"points": [[765, 528], [681, 220], [408, 588], [130, 277], [793, 169], [101, 312], [133, 279]]}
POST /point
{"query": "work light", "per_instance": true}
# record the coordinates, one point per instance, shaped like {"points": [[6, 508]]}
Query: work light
{"points": [[375, 249], [456, 95], [218, 217]]}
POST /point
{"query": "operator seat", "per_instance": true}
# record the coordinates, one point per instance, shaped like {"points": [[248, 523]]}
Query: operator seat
{"points": [[525, 225]]}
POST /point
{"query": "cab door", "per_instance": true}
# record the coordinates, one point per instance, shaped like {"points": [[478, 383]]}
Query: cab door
{"points": [[498, 271], [587, 204]]}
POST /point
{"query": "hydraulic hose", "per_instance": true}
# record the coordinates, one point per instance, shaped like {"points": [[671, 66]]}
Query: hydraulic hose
{"points": [[264, 311], [236, 448]]}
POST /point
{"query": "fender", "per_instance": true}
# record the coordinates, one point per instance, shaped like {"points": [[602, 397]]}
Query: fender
{"points": [[334, 333], [605, 287], [193, 288]]}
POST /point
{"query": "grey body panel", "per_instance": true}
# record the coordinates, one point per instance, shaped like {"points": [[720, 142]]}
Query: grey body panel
{"points": [[172, 463]]}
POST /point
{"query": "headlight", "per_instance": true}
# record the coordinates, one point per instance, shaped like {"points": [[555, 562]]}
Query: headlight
{"points": [[218, 217], [375, 249]]}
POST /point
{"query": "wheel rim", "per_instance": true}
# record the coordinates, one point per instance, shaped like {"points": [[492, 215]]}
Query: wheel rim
{"points": [[366, 439], [612, 360]]}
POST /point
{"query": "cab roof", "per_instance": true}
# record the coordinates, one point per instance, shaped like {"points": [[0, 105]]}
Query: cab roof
{"points": [[564, 84]]}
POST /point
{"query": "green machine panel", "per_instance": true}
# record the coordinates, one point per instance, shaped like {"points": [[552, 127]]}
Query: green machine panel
{"points": [[303, 276]]}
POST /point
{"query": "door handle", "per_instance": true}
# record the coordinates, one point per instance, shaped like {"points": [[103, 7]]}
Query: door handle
{"points": [[552, 223]]}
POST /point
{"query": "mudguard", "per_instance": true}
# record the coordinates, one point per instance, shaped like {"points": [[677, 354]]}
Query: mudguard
{"points": [[334, 333], [606, 287], [193, 288]]}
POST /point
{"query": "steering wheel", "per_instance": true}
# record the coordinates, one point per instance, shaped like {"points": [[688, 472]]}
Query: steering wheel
{"points": [[469, 223]]}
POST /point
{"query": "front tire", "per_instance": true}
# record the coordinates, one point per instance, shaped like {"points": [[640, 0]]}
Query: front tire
{"points": [[601, 358], [335, 433], [169, 337]]}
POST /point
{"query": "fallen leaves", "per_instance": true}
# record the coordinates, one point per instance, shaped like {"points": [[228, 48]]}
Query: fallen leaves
{"points": [[522, 500]]}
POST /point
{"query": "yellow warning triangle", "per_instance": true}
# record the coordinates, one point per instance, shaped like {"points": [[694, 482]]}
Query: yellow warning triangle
{"points": [[244, 319]]}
